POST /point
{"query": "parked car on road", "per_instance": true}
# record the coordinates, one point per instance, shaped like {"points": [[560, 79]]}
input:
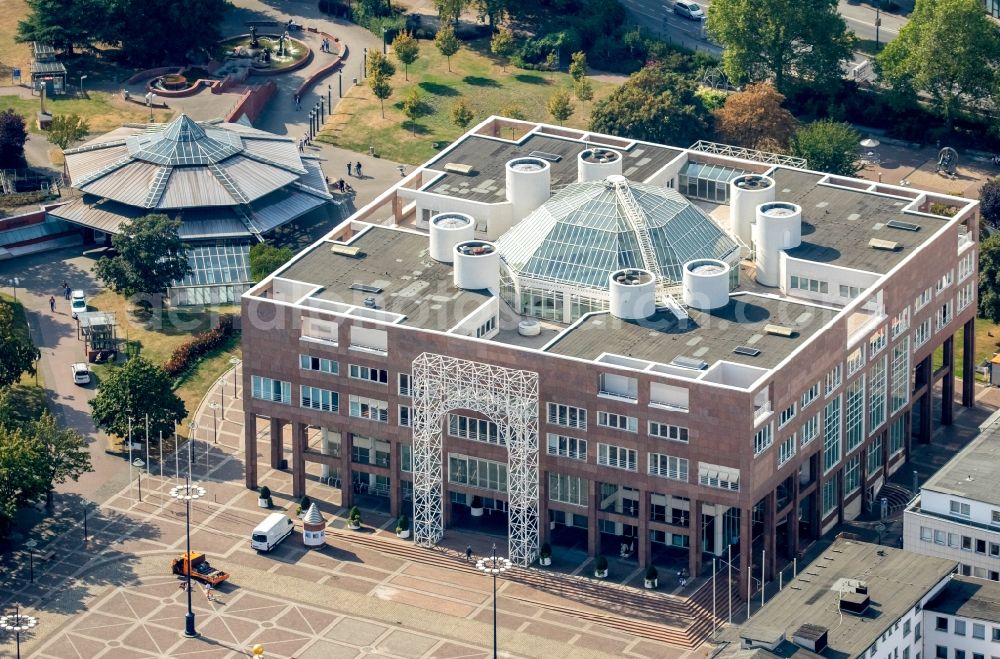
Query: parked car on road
{"points": [[78, 303], [81, 373], [690, 10]]}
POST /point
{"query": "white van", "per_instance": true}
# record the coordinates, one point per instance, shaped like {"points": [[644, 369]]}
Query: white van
{"points": [[271, 531]]}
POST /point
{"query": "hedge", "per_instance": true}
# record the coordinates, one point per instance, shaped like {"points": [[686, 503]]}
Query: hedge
{"points": [[186, 354]]}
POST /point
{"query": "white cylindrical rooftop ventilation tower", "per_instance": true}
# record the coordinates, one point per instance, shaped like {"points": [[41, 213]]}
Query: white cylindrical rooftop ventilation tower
{"points": [[447, 230], [477, 265], [745, 194], [528, 185], [597, 164], [706, 284], [779, 227], [633, 293]]}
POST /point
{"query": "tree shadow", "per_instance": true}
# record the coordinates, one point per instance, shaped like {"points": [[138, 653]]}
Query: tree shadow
{"points": [[480, 81], [438, 89], [416, 128], [532, 79]]}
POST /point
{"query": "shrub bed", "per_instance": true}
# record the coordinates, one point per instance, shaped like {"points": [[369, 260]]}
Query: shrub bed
{"points": [[186, 354]]}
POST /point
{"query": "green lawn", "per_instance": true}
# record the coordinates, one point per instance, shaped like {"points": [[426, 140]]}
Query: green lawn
{"points": [[987, 342], [103, 111], [474, 78]]}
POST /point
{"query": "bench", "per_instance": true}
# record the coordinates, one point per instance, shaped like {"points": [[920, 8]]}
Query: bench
{"points": [[458, 168]]}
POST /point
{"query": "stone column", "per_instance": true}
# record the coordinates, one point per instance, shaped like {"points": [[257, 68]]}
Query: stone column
{"points": [[720, 542], [642, 542], [593, 530], [969, 364], [948, 383], [793, 523], [277, 442], [324, 449], [346, 487], [770, 534], [543, 505], [926, 404], [250, 449], [746, 549], [694, 538], [395, 505], [298, 459]]}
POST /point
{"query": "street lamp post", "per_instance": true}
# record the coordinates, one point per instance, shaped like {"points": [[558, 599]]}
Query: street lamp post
{"points": [[82, 78], [193, 427], [139, 464], [385, 50], [215, 426], [235, 361], [18, 623], [494, 565], [878, 22], [31, 544], [187, 493], [84, 523], [14, 282]]}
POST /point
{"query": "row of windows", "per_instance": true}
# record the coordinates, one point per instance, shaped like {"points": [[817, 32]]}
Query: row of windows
{"points": [[958, 541]]}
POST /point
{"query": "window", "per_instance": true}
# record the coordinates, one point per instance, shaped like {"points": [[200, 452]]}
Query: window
{"points": [[618, 421], [852, 475], [854, 414], [996, 635], [487, 328], [965, 266], [900, 323], [405, 416], [923, 299], [877, 341], [960, 654], [567, 447], [897, 436], [831, 434], [875, 456], [965, 295], [877, 391], [618, 386], [994, 549], [568, 489], [786, 415], [667, 431], [406, 458], [379, 375], [810, 429], [995, 517], [940, 652], [478, 430], [900, 393], [565, 415], [810, 285], [476, 472], [925, 534], [959, 508], [856, 360], [834, 378], [940, 624], [966, 543], [922, 334], [309, 363], [725, 478], [617, 456], [275, 391], [763, 438], [916, 630], [979, 631], [319, 399], [944, 315], [811, 394], [369, 408], [786, 450], [946, 280], [405, 384], [959, 628], [829, 496], [980, 546], [906, 628], [849, 292], [668, 466], [316, 329]]}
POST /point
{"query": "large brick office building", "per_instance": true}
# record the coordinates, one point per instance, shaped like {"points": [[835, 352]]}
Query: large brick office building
{"points": [[608, 342]]}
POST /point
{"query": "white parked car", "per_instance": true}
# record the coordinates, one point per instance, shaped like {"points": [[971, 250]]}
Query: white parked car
{"points": [[689, 10], [78, 303], [81, 373]]}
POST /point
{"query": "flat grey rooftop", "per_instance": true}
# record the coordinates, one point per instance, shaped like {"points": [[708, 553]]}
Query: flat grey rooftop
{"points": [[412, 283], [489, 157], [708, 335], [837, 223], [972, 598], [896, 581], [974, 472]]}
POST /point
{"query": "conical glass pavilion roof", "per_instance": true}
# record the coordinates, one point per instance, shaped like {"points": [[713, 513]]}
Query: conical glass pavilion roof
{"points": [[590, 229], [184, 142]]}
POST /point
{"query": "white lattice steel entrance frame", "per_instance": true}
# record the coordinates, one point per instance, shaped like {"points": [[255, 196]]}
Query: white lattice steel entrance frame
{"points": [[509, 398]]}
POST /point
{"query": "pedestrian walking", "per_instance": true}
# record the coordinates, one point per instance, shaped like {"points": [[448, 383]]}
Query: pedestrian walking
{"points": [[357, 169], [298, 102], [52, 303], [349, 166], [468, 553], [66, 290]]}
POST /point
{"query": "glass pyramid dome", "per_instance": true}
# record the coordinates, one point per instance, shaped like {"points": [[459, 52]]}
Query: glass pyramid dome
{"points": [[184, 142], [591, 229]]}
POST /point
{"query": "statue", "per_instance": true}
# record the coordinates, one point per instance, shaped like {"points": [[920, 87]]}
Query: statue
{"points": [[947, 161], [253, 36], [281, 44]]}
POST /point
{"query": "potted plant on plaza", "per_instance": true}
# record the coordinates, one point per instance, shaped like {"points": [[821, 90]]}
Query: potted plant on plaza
{"points": [[545, 554], [304, 504], [601, 567], [354, 519], [476, 509], [403, 527], [651, 577], [264, 497]]}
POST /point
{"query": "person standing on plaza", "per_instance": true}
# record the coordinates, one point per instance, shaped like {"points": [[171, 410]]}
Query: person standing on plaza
{"points": [[357, 169], [52, 303], [350, 165]]}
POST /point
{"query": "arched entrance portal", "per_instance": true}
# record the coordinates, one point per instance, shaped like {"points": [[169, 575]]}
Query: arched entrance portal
{"points": [[509, 398]]}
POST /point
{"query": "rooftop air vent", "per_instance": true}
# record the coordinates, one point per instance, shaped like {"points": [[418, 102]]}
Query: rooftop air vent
{"points": [[811, 637], [854, 597], [778, 330], [753, 182], [690, 363], [746, 351], [346, 250], [886, 245], [905, 226], [365, 288], [370, 302], [545, 155]]}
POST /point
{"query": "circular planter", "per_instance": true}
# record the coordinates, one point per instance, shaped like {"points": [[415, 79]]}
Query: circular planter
{"points": [[403, 535], [263, 503], [651, 583], [545, 560], [476, 512], [354, 526], [601, 574]]}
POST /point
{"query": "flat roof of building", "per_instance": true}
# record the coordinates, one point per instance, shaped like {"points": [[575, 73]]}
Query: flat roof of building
{"points": [[489, 157], [707, 335], [968, 597], [838, 223], [973, 473], [896, 581], [398, 263]]}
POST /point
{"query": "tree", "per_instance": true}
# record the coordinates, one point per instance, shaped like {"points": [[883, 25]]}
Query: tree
{"points": [[578, 66], [381, 89], [158, 32], [413, 104], [828, 146], [502, 45], [13, 135], [406, 49], [461, 114], [379, 66], [447, 42], [22, 479], [583, 89], [655, 105], [776, 39], [513, 111], [755, 119], [949, 49], [150, 256], [551, 61], [265, 259], [989, 202], [989, 278], [449, 10], [560, 106], [64, 23], [63, 453], [17, 352], [130, 393], [64, 130]]}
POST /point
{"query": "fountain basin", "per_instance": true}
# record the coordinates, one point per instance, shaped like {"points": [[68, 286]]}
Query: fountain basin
{"points": [[296, 53]]}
